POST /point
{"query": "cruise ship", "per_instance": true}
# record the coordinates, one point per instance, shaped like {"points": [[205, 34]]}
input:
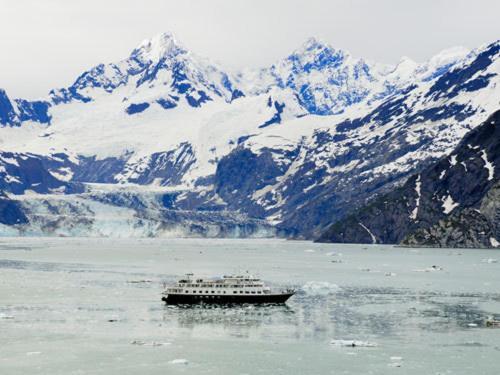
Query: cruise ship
{"points": [[233, 289]]}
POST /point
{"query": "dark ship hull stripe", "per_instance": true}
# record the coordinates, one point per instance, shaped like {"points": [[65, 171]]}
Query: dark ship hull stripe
{"points": [[186, 299]]}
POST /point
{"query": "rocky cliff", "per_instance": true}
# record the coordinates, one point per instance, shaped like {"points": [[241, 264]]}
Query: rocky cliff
{"points": [[453, 202]]}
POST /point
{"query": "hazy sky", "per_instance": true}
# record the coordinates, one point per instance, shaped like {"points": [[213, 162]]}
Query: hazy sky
{"points": [[48, 43]]}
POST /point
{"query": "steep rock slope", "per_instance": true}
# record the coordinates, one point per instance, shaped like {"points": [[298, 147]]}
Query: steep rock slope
{"points": [[470, 227], [10, 212], [15, 112], [450, 203]]}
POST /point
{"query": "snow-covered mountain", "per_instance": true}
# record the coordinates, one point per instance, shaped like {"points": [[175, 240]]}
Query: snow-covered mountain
{"points": [[298, 144], [452, 203]]}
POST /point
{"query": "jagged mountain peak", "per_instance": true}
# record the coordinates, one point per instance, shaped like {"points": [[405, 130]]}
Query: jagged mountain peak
{"points": [[315, 54], [313, 44], [159, 70], [160, 46], [449, 55]]}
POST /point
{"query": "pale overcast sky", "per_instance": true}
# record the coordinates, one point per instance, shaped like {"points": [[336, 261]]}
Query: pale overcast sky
{"points": [[47, 44]]}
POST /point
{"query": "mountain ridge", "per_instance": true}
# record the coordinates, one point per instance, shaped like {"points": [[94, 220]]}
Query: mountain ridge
{"points": [[317, 135]]}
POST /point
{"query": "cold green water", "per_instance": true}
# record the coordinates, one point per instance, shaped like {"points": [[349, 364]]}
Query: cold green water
{"points": [[92, 306]]}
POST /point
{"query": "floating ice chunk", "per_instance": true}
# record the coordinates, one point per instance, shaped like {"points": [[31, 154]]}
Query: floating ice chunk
{"points": [[490, 260], [472, 325], [152, 343], [353, 343], [309, 251], [5, 316], [139, 281], [395, 364], [392, 274], [368, 270], [430, 269], [179, 361], [137, 342], [319, 288], [396, 361], [33, 353]]}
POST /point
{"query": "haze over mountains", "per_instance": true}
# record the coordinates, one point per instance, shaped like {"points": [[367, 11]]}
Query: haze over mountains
{"points": [[166, 143]]}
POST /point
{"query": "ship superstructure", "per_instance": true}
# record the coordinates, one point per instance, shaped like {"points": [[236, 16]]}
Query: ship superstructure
{"points": [[224, 290]]}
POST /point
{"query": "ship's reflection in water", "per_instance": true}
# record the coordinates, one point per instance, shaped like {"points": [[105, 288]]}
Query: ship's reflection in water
{"points": [[348, 312], [232, 321]]}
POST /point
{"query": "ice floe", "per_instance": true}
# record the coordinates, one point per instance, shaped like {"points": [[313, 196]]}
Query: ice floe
{"points": [[319, 288], [179, 361], [430, 269], [151, 343], [490, 260], [396, 361], [353, 343], [139, 281]]}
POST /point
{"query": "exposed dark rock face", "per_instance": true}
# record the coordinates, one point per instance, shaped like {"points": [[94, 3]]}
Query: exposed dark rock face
{"points": [[168, 167], [13, 113], [91, 169], [470, 227], [440, 203], [11, 212], [241, 173], [490, 208], [24, 171]]}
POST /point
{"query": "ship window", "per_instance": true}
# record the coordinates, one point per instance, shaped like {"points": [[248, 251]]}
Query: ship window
{"points": [[253, 292], [241, 292], [235, 292], [259, 292], [247, 292], [224, 292], [213, 291]]}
